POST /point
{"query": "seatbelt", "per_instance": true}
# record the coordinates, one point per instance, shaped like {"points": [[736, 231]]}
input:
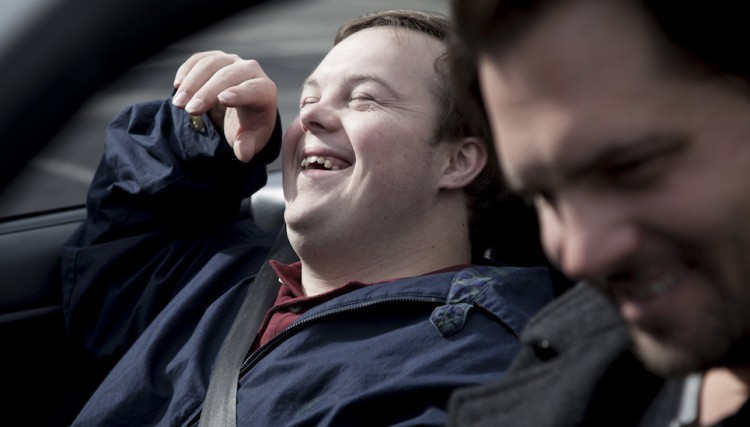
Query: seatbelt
{"points": [[220, 404]]}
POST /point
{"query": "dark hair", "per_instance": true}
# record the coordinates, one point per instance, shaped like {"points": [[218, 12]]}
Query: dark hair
{"points": [[456, 118], [707, 38], [453, 120], [695, 38], [702, 38]]}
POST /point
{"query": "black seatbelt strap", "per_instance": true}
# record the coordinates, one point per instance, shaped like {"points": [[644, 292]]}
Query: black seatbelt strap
{"points": [[220, 404]]}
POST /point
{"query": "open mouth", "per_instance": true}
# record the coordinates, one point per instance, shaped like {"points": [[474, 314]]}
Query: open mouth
{"points": [[649, 289], [647, 283], [323, 163]]}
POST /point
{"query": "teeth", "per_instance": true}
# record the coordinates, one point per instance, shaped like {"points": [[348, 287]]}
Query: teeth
{"points": [[320, 160], [652, 289]]}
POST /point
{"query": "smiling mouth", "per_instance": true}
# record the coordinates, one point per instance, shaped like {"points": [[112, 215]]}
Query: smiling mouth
{"points": [[645, 287], [320, 163]]}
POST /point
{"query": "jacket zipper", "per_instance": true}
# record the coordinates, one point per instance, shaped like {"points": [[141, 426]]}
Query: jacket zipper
{"points": [[258, 354], [254, 357]]}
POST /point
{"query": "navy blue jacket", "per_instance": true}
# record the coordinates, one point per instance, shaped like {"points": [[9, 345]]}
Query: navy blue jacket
{"points": [[159, 269]]}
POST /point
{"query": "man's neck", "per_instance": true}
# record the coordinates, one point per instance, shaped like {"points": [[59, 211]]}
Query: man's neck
{"points": [[433, 241], [399, 264], [380, 258], [723, 393]]}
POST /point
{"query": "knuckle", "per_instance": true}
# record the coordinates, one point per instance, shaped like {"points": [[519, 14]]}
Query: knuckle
{"points": [[272, 87], [250, 66], [216, 52]]}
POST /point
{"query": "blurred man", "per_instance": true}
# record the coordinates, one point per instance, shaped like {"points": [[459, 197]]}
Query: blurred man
{"points": [[384, 315], [627, 124]]}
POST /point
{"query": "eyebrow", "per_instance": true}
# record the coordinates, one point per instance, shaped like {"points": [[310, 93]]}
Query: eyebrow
{"points": [[351, 80], [625, 150], [620, 150]]}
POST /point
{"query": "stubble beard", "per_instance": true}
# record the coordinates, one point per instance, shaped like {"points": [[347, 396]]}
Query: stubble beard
{"points": [[723, 338]]}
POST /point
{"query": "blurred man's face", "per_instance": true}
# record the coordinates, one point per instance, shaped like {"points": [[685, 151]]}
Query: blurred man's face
{"points": [[639, 175]]}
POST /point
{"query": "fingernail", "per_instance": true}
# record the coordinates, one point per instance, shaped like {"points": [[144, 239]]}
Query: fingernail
{"points": [[180, 98], [227, 96], [194, 105]]}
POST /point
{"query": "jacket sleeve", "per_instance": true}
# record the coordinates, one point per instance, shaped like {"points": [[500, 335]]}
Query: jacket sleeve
{"points": [[158, 172], [164, 200]]}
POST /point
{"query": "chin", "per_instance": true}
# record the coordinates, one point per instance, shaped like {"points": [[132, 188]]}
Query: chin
{"points": [[298, 218], [667, 356], [663, 359]]}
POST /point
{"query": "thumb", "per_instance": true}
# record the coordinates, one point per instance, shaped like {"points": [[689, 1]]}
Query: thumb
{"points": [[250, 116], [247, 144], [251, 129]]}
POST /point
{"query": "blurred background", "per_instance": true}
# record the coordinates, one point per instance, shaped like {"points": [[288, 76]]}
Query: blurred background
{"points": [[288, 38]]}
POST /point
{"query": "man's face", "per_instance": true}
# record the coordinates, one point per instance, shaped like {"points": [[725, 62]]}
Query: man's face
{"points": [[360, 162], [638, 173]]}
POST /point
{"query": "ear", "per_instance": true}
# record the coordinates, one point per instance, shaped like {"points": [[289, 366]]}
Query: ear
{"points": [[468, 157]]}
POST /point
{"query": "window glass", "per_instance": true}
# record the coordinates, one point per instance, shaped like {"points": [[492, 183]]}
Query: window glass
{"points": [[287, 38]]}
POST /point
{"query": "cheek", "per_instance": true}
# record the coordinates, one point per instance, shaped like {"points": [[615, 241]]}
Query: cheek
{"points": [[387, 145], [292, 137], [706, 194], [291, 140], [392, 150], [550, 232], [694, 204]]}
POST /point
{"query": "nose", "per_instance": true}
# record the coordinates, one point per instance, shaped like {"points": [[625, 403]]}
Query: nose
{"points": [[318, 117], [589, 238]]}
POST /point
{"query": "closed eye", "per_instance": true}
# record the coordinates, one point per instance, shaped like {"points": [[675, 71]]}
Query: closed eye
{"points": [[362, 102], [307, 101], [630, 172], [640, 167]]}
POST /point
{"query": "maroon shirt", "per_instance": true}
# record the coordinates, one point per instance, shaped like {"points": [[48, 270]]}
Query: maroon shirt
{"points": [[291, 301]]}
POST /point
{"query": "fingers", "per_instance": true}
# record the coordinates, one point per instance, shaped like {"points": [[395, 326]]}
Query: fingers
{"points": [[204, 76], [196, 71], [256, 93], [246, 146], [190, 64], [237, 95], [251, 140], [251, 116]]}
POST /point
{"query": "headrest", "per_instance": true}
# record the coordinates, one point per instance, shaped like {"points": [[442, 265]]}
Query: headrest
{"points": [[266, 206]]}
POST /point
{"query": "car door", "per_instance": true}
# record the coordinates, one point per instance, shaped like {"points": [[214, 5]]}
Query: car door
{"points": [[53, 58]]}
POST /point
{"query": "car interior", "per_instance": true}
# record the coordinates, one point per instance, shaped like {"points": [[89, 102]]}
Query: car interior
{"points": [[41, 368], [45, 379], [45, 77], [38, 356]]}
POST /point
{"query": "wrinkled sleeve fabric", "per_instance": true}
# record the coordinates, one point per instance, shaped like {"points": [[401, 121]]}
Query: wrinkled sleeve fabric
{"points": [[164, 200]]}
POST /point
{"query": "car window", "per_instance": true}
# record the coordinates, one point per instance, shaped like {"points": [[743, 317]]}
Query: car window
{"points": [[288, 39]]}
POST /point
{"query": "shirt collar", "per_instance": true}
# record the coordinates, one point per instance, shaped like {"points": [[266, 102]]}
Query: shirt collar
{"points": [[290, 276]]}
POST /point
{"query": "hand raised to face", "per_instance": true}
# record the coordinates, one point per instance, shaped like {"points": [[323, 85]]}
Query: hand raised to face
{"points": [[235, 93]]}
